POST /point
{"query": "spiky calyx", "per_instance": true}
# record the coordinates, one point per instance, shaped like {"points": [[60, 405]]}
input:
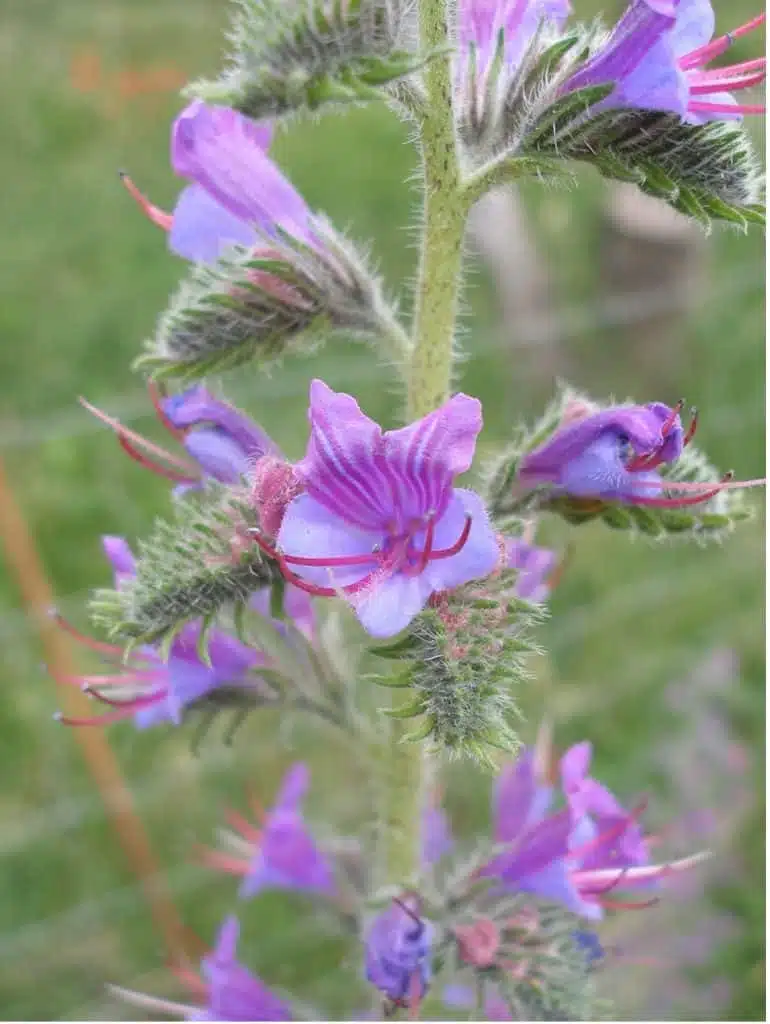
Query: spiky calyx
{"points": [[461, 662], [302, 55], [526, 123], [710, 521], [260, 306], [190, 568]]}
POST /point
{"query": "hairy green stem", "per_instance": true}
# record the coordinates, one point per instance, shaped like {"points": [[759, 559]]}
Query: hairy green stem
{"points": [[428, 381]]}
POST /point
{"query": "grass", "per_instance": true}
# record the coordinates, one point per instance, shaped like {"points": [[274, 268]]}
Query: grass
{"points": [[83, 277]]}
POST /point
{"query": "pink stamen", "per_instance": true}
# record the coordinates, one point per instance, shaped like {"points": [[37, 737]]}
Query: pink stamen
{"points": [[415, 993], [132, 703], [613, 832], [86, 641], [108, 719], [703, 107], [124, 679], [692, 428], [224, 862], [156, 397], [155, 214], [247, 830], [331, 562], [703, 54], [141, 442], [196, 985], [458, 545], [724, 84], [427, 552], [154, 467], [613, 904]]}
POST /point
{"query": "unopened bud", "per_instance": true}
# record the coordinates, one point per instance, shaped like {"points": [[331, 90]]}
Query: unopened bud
{"points": [[274, 484], [478, 943]]}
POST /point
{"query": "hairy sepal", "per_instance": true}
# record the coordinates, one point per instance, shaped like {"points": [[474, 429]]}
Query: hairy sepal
{"points": [[188, 569], [252, 306], [290, 58], [459, 666]]}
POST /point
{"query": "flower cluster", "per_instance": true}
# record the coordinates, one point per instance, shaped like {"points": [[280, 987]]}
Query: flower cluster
{"points": [[451, 581]]}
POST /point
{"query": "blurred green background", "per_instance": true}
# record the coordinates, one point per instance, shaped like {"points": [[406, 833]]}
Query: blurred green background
{"points": [[91, 87]]}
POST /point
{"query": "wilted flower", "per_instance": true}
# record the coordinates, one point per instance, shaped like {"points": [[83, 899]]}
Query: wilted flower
{"points": [[236, 188], [398, 947], [656, 55], [380, 521], [229, 991], [155, 691], [280, 853]]}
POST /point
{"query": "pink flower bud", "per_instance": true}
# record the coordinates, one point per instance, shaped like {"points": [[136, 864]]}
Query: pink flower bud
{"points": [[274, 484], [478, 943]]}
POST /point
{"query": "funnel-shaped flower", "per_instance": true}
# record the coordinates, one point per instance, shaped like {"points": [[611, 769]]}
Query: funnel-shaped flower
{"points": [[280, 853], [229, 991], [397, 946], [222, 443], [614, 454], [237, 192], [381, 522], [656, 55], [153, 690]]}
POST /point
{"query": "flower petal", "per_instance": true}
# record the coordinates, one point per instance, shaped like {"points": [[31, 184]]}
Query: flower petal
{"points": [[427, 455], [344, 468], [574, 767], [390, 603], [519, 800], [201, 228], [479, 555], [310, 530], [120, 556], [197, 406], [638, 424], [218, 149]]}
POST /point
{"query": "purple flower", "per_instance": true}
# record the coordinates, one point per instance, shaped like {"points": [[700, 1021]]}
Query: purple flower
{"points": [[436, 838], [380, 521], [536, 860], [656, 56], [481, 23], [534, 566], [283, 854], [613, 455], [231, 992], [237, 194], [462, 997], [397, 952], [596, 812], [224, 442], [153, 691]]}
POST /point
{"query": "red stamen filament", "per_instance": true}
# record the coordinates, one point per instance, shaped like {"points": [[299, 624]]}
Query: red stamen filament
{"points": [[613, 904], [393, 562], [86, 641], [614, 832], [108, 719], [701, 107], [190, 979], [154, 467], [155, 214], [240, 824], [137, 442], [703, 54], [132, 703], [224, 862]]}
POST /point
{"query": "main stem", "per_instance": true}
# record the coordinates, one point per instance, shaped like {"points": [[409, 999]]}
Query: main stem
{"points": [[428, 381]]}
